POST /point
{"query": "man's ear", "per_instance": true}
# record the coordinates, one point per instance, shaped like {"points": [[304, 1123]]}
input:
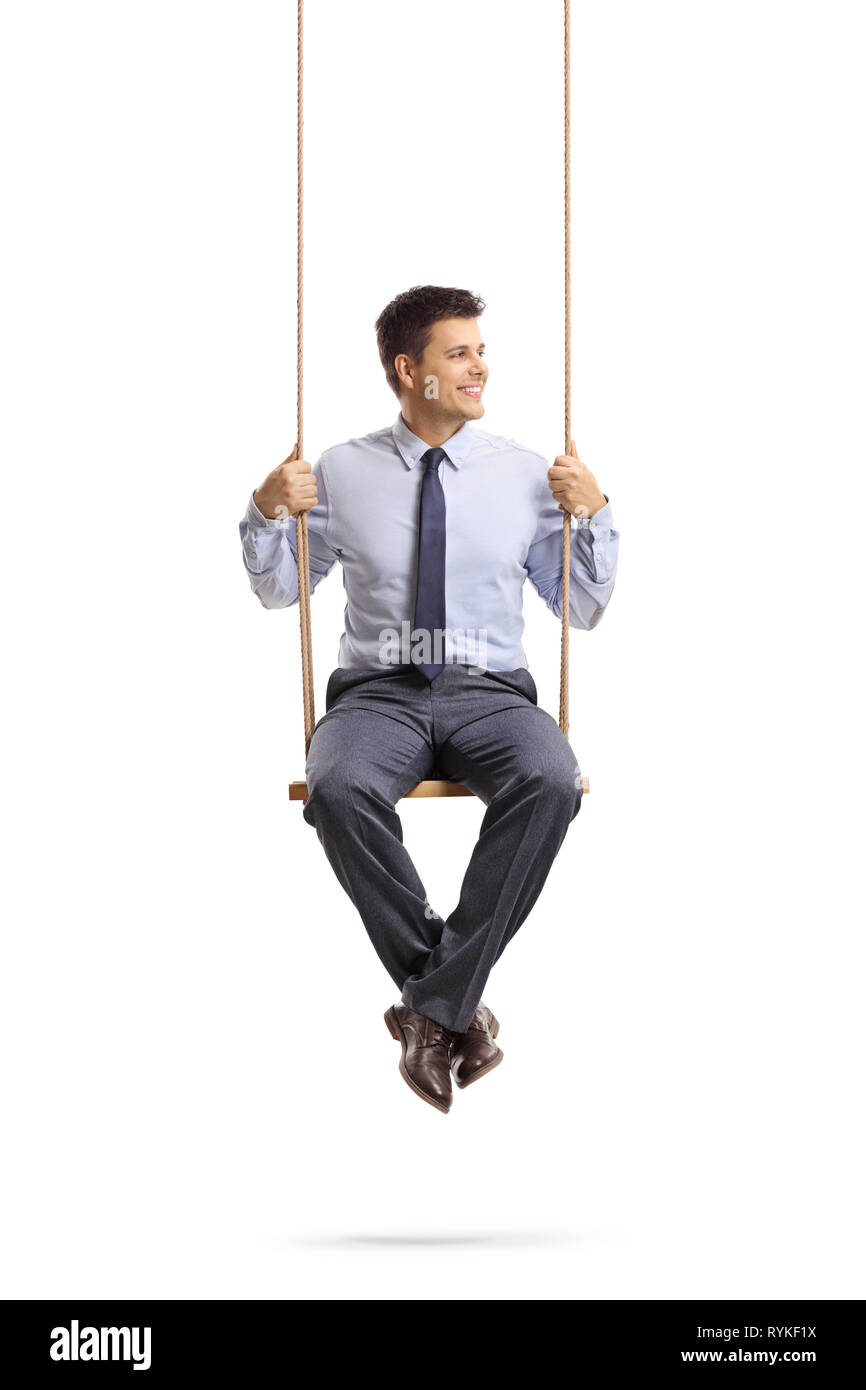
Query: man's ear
{"points": [[403, 366]]}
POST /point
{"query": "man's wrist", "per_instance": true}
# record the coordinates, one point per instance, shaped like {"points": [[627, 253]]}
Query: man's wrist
{"points": [[586, 515], [258, 505]]}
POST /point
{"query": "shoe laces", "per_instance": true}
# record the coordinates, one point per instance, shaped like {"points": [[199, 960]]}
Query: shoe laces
{"points": [[442, 1037]]}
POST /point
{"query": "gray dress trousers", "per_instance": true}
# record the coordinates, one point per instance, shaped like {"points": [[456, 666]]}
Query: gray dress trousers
{"points": [[386, 728]]}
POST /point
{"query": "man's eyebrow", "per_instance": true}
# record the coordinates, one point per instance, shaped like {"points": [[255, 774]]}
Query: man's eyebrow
{"points": [[460, 346]]}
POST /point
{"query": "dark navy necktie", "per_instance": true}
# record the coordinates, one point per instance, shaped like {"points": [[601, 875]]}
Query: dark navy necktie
{"points": [[430, 594]]}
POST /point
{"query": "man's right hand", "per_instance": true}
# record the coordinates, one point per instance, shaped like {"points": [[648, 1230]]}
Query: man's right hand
{"points": [[288, 490]]}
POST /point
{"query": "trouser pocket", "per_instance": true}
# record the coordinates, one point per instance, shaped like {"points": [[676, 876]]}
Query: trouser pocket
{"points": [[520, 679]]}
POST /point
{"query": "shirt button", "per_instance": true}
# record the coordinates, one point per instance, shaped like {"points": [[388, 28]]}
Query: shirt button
{"points": [[254, 554]]}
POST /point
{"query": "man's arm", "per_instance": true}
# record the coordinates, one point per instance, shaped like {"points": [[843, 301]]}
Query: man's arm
{"points": [[269, 542], [594, 544]]}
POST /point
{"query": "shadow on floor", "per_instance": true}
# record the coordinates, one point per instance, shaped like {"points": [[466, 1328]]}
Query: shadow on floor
{"points": [[491, 1239]]}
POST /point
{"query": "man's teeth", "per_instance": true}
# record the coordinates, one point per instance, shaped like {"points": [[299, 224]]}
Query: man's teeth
{"points": [[470, 390]]}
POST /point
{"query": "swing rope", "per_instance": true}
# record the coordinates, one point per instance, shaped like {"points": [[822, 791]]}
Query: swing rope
{"points": [[566, 520], [301, 518]]}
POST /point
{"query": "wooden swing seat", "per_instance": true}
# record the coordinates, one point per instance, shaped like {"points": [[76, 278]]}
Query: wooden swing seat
{"points": [[431, 787]]}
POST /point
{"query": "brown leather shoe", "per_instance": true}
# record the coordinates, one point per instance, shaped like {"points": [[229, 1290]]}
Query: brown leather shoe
{"points": [[426, 1056], [474, 1053]]}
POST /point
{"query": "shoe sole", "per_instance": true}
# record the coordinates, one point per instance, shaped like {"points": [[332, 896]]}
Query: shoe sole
{"points": [[393, 1026], [482, 1071]]}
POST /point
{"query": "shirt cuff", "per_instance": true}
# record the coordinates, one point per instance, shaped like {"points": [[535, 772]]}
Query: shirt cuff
{"points": [[601, 523], [257, 518], [592, 538]]}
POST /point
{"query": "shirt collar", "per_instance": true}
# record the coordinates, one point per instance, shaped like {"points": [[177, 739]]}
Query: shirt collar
{"points": [[411, 448]]}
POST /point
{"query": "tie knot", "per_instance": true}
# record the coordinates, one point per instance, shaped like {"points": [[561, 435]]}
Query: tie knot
{"points": [[433, 457]]}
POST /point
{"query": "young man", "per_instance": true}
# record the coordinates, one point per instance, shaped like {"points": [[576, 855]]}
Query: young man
{"points": [[437, 524]]}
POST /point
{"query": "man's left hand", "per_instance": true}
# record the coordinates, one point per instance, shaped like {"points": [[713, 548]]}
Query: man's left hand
{"points": [[573, 486]]}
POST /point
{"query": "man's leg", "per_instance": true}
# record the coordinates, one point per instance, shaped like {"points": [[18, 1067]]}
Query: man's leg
{"points": [[517, 760], [360, 763]]}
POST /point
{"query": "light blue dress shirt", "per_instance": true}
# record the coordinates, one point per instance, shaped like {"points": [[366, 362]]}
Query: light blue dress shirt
{"points": [[503, 525]]}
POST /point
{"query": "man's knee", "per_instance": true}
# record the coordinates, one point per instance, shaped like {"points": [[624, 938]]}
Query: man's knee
{"points": [[556, 777], [335, 788]]}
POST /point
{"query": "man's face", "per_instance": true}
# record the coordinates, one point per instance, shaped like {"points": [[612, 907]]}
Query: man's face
{"points": [[449, 380]]}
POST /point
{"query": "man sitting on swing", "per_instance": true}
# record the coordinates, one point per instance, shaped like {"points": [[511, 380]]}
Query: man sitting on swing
{"points": [[432, 677]]}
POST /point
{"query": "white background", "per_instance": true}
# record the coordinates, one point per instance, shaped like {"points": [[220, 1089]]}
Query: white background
{"points": [[199, 1095]]}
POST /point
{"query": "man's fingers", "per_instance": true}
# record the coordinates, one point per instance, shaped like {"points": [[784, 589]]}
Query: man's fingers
{"points": [[562, 470]]}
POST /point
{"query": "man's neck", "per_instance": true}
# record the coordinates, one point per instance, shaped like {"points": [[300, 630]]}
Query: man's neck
{"points": [[430, 432]]}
